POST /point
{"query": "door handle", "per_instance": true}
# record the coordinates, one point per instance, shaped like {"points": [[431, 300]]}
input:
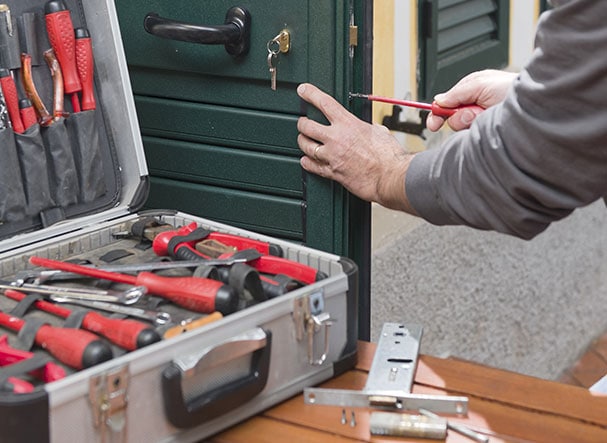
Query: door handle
{"points": [[234, 34]]}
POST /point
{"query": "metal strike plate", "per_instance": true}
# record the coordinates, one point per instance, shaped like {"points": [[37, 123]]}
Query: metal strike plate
{"points": [[395, 361], [390, 379]]}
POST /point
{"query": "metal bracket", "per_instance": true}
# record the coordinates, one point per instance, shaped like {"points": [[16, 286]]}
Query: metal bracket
{"points": [[310, 319], [108, 398], [390, 379]]}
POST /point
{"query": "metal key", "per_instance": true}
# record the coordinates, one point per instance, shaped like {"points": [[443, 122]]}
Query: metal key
{"points": [[271, 59]]}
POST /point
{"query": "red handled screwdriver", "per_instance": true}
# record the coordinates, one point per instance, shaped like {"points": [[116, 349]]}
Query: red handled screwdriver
{"points": [[433, 107], [28, 113], [128, 334], [9, 89], [194, 293], [74, 347], [85, 66], [63, 40]]}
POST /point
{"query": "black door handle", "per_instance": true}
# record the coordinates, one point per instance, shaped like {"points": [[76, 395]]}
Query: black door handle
{"points": [[235, 33]]}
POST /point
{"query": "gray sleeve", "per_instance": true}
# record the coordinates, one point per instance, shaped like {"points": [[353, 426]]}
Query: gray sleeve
{"points": [[541, 153]]}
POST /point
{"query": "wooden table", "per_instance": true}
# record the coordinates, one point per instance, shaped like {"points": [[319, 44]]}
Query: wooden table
{"points": [[504, 405]]}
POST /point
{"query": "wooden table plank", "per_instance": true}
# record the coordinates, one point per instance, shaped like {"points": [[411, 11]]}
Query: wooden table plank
{"points": [[507, 406]]}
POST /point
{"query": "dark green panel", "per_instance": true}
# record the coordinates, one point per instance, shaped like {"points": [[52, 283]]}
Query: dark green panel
{"points": [[221, 166], [459, 37], [276, 216], [268, 17], [226, 126]]}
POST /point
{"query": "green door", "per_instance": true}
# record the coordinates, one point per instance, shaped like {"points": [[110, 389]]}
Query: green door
{"points": [[220, 142]]}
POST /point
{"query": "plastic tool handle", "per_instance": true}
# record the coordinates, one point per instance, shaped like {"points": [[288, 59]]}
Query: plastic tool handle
{"points": [[62, 38], [85, 67], [128, 334], [194, 293], [27, 112], [73, 347], [269, 264], [9, 355], [9, 89]]}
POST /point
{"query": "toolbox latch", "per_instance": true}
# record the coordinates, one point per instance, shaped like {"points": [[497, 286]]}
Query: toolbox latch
{"points": [[310, 321], [108, 398]]}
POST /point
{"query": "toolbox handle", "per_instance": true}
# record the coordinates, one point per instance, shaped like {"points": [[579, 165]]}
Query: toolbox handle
{"points": [[235, 33], [183, 411]]}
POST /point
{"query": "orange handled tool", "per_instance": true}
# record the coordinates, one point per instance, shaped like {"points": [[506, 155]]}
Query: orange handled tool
{"points": [[433, 107], [127, 334], [193, 293], [73, 347], [63, 40]]}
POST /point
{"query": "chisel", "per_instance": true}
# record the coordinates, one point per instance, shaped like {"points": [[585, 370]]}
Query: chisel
{"points": [[127, 334], [73, 347], [193, 293], [433, 107]]}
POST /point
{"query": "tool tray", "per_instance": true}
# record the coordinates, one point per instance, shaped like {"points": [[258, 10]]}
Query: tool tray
{"points": [[68, 192]]}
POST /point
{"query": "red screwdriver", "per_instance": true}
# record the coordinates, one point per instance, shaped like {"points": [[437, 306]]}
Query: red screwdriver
{"points": [[62, 37], [74, 347], [194, 293], [85, 66], [433, 107], [127, 334]]}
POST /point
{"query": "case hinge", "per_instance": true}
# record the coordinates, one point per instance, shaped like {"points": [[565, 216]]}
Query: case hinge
{"points": [[310, 319], [108, 398]]}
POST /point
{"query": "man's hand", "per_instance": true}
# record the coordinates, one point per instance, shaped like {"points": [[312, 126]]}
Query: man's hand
{"points": [[483, 88], [365, 158]]}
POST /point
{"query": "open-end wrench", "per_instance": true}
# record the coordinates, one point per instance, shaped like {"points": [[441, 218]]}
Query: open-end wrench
{"points": [[130, 296], [159, 318]]}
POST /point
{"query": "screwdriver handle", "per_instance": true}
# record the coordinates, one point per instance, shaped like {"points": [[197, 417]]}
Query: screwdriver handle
{"points": [[27, 112], [9, 89], [128, 334], [448, 112], [73, 347], [62, 38], [85, 67], [194, 293]]}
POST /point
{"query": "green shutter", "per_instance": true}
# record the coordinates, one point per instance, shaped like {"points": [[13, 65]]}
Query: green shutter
{"points": [[458, 37]]}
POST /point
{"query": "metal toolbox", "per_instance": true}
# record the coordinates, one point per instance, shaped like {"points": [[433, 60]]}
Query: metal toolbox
{"points": [[182, 388]]}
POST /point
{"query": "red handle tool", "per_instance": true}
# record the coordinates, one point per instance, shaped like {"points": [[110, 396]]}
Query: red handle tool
{"points": [[73, 347], [9, 355], [193, 293], [9, 89], [63, 40], [85, 66], [128, 334], [28, 113], [268, 264], [433, 107]]}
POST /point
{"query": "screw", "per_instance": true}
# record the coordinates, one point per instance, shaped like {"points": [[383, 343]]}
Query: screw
{"points": [[344, 420], [353, 420]]}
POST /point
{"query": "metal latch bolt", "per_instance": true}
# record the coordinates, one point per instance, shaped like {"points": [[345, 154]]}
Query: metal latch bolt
{"points": [[108, 398], [310, 319]]}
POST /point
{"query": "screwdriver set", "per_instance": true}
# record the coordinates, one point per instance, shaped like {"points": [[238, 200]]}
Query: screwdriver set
{"points": [[120, 322]]}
